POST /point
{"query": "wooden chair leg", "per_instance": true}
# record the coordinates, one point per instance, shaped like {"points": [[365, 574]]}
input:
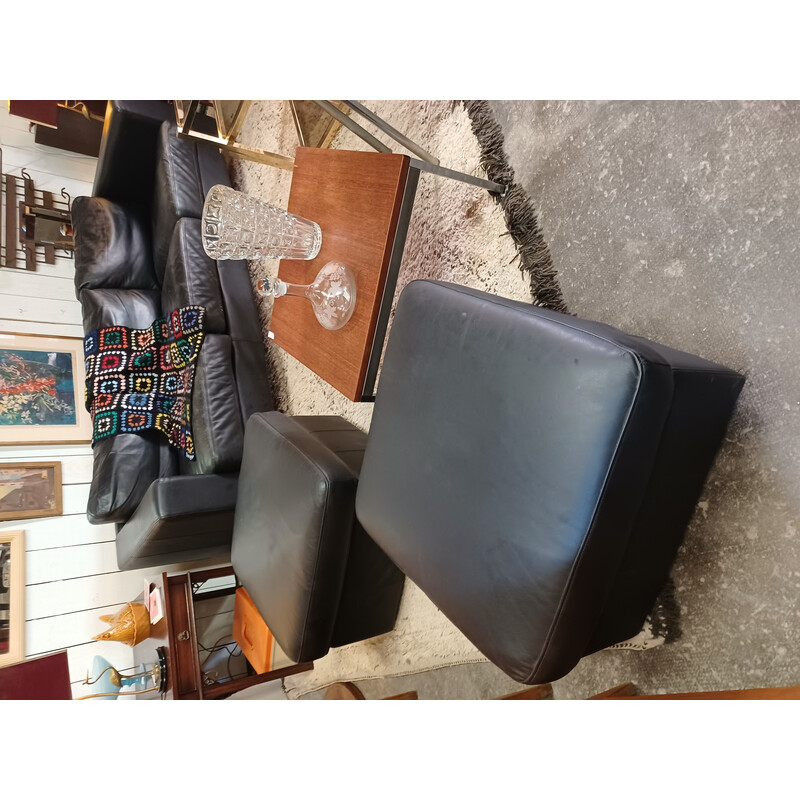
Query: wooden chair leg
{"points": [[343, 691], [623, 690], [541, 692]]}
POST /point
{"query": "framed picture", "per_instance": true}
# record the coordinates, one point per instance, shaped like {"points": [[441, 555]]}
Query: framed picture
{"points": [[42, 385], [12, 597], [30, 490]]}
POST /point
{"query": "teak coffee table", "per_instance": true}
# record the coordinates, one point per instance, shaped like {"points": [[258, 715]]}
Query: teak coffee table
{"points": [[363, 203]]}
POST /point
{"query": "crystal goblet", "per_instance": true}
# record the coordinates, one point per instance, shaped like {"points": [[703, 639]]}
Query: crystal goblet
{"points": [[332, 293]]}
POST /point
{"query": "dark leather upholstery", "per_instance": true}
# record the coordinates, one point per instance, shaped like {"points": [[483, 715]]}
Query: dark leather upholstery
{"points": [[185, 171], [372, 585], [136, 308], [123, 467], [181, 518], [316, 578], [533, 472], [241, 311], [250, 373], [191, 277], [114, 241], [112, 247], [125, 169], [216, 420]]}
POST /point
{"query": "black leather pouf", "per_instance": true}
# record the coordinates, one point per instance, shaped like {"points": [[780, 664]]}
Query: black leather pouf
{"points": [[533, 472]]}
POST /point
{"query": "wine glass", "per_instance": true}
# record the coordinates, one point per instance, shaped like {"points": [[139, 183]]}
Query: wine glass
{"points": [[332, 293]]}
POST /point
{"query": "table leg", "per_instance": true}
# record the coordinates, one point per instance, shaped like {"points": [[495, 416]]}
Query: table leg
{"points": [[395, 259], [435, 169], [353, 126], [384, 126]]}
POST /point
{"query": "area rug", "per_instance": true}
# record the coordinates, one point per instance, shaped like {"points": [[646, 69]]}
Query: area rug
{"points": [[458, 233]]}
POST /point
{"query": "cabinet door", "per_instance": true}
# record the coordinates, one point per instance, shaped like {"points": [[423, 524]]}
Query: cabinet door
{"points": [[186, 684]]}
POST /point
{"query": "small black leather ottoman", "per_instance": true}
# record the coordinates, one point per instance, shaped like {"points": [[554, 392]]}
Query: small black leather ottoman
{"points": [[533, 473], [314, 575]]}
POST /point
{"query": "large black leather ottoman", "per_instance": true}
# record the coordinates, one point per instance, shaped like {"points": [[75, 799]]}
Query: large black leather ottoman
{"points": [[314, 575], [533, 473]]}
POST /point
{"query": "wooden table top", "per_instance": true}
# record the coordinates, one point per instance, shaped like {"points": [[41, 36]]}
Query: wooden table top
{"points": [[355, 197]]}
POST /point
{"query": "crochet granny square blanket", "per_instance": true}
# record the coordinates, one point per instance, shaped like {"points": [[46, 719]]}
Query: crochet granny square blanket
{"points": [[139, 380]]}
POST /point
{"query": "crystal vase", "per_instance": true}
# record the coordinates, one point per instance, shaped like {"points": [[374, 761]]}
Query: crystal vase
{"points": [[235, 225], [332, 293]]}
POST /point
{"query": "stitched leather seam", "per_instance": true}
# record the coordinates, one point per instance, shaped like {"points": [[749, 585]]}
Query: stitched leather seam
{"points": [[148, 533], [641, 364], [515, 309]]}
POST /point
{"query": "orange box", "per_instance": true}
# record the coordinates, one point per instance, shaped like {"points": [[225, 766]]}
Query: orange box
{"points": [[251, 633]]}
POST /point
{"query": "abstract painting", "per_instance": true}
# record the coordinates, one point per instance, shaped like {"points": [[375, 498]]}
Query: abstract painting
{"points": [[42, 388]]}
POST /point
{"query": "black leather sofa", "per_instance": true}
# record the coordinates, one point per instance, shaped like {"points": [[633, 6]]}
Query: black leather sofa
{"points": [[138, 256]]}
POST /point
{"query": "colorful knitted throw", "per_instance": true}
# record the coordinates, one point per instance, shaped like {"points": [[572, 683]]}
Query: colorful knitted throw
{"points": [[138, 380]]}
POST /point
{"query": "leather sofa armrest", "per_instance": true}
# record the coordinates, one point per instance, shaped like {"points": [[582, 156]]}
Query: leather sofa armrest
{"points": [[126, 164], [180, 518]]}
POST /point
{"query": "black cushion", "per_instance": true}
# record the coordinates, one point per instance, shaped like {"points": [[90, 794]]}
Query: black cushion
{"points": [[191, 278], [511, 455], [241, 310], [294, 517], [185, 170], [217, 425], [180, 518], [123, 467], [112, 247], [133, 308], [252, 381], [126, 464], [373, 585]]}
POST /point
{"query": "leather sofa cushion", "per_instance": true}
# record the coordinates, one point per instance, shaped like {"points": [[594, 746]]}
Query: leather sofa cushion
{"points": [[241, 309], [191, 276], [134, 308], [180, 518], [293, 523], [216, 419], [185, 171], [509, 452], [252, 381], [112, 247], [123, 467]]}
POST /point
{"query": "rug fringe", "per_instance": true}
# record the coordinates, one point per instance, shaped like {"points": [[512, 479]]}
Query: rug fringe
{"points": [[521, 218], [666, 614]]}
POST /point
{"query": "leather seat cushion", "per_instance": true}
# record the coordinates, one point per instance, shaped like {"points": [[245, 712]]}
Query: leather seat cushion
{"points": [[112, 247], [292, 529], [185, 171], [509, 451], [123, 467], [191, 276], [217, 425], [133, 308]]}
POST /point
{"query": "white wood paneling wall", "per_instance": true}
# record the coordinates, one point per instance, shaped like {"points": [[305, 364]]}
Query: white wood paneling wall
{"points": [[71, 571]]}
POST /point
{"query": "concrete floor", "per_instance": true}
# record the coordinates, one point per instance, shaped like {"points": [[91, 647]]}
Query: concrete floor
{"points": [[678, 221]]}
